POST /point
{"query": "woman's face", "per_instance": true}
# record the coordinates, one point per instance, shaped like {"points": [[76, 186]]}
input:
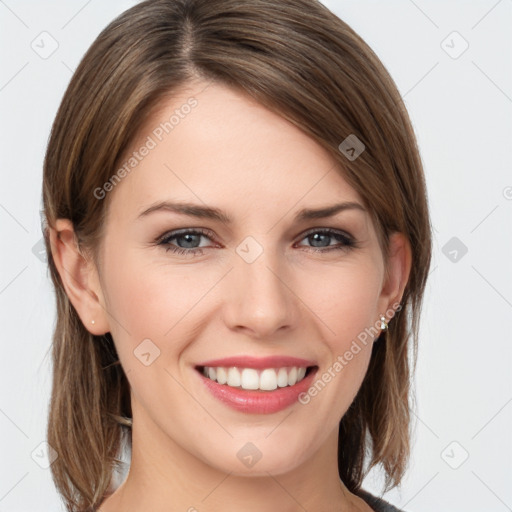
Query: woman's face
{"points": [[266, 283]]}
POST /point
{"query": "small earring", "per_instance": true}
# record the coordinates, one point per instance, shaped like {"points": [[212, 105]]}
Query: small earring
{"points": [[92, 322], [383, 323]]}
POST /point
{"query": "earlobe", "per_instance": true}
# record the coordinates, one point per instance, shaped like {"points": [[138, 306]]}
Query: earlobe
{"points": [[78, 276]]}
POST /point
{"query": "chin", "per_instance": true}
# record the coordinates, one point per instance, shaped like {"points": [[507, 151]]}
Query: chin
{"points": [[258, 458]]}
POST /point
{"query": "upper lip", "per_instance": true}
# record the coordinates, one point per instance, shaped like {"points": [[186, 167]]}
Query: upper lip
{"points": [[258, 362]]}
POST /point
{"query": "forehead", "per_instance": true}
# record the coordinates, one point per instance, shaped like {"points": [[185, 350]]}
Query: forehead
{"points": [[211, 144]]}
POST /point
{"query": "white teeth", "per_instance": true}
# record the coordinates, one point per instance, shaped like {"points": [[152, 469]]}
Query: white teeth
{"points": [[250, 378], [282, 378], [222, 378], [233, 377], [267, 379], [292, 376]]}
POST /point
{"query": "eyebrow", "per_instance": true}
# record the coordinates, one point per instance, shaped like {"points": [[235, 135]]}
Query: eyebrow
{"points": [[209, 212]]}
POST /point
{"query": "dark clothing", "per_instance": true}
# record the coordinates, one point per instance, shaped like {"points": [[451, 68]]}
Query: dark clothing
{"points": [[377, 504]]}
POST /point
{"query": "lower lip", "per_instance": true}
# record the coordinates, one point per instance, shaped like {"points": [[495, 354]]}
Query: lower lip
{"points": [[258, 402]]}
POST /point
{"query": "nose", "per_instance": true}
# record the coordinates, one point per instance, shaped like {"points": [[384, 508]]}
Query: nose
{"points": [[261, 301]]}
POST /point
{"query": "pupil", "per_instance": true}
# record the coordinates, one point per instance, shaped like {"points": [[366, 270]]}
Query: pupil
{"points": [[318, 236], [189, 241]]}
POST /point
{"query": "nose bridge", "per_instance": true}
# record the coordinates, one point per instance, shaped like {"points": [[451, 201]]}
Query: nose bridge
{"points": [[262, 302]]}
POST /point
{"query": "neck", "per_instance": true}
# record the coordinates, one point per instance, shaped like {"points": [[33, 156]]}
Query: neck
{"points": [[165, 476]]}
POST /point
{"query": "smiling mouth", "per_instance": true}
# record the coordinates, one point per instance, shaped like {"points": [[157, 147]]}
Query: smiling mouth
{"points": [[252, 379]]}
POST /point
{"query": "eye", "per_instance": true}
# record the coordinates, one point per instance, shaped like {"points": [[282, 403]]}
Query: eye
{"points": [[187, 238], [188, 241], [321, 238]]}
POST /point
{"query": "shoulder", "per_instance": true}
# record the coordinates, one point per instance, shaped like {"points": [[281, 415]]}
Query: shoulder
{"points": [[377, 504]]}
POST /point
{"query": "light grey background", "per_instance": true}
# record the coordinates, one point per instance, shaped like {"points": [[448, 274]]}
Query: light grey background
{"points": [[461, 108]]}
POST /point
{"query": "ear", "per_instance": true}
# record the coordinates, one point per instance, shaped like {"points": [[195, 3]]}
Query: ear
{"points": [[397, 272], [79, 277]]}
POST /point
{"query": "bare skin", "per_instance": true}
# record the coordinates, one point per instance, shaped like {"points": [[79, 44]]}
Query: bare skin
{"points": [[232, 153]]}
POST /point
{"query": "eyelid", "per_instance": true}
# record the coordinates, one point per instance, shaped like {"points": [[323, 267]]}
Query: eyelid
{"points": [[344, 238], [178, 232], [208, 233], [325, 229]]}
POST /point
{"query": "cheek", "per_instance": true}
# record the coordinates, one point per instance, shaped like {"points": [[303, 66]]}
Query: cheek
{"points": [[345, 302], [147, 297], [149, 300]]}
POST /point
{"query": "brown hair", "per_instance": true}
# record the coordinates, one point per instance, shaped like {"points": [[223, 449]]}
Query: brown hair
{"points": [[298, 59]]}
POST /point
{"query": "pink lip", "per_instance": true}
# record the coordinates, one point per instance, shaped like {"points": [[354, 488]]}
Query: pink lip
{"points": [[258, 402], [258, 362]]}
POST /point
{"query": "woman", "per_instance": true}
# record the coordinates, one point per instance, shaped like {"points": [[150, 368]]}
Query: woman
{"points": [[239, 238]]}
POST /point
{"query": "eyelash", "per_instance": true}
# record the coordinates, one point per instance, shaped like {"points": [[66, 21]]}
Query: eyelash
{"points": [[348, 242]]}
